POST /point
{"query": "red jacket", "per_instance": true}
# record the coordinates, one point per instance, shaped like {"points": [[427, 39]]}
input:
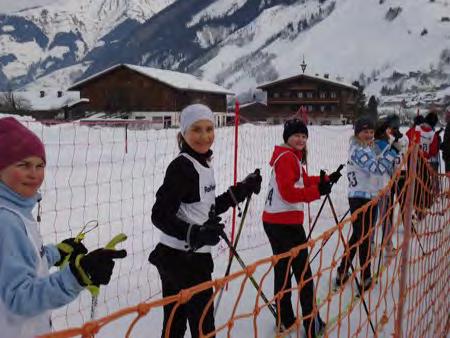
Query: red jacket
{"points": [[287, 173], [428, 149]]}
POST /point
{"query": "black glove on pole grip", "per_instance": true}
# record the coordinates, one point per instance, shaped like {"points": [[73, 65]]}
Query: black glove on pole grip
{"points": [[322, 176]]}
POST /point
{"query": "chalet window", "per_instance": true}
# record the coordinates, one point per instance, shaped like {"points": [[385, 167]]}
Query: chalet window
{"points": [[333, 95], [310, 107], [322, 108], [286, 94], [167, 121], [276, 95], [333, 108], [309, 95], [300, 95], [322, 95]]}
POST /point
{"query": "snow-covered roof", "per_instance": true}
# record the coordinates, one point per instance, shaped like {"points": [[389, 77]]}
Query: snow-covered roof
{"points": [[310, 77], [252, 104], [178, 80], [50, 100]]}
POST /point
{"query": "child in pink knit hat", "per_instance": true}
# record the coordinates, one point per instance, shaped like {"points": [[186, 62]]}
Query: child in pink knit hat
{"points": [[22, 146], [28, 292]]}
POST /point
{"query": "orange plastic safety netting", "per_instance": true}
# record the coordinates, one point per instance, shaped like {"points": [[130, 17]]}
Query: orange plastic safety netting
{"points": [[403, 246]]}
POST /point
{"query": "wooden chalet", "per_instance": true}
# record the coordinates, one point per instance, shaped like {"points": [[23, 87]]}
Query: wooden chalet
{"points": [[254, 112], [150, 93], [44, 105], [326, 101]]}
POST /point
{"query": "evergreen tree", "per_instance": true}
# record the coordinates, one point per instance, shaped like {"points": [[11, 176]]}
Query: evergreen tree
{"points": [[372, 108], [360, 100]]}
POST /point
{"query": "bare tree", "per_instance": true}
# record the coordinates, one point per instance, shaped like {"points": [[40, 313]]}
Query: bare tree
{"points": [[10, 101]]}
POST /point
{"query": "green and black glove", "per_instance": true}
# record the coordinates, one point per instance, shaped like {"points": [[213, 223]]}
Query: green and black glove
{"points": [[68, 247], [96, 267]]}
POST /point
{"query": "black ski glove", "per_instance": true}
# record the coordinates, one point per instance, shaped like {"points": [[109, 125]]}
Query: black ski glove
{"points": [[206, 234], [253, 182], [397, 134], [96, 267], [324, 188], [324, 185], [396, 146], [68, 247], [334, 177]]}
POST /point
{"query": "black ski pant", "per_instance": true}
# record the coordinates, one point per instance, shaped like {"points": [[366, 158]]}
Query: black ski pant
{"points": [[181, 270], [423, 190], [360, 238], [282, 238]]}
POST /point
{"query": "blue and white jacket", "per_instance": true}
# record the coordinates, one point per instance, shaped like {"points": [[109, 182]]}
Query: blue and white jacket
{"points": [[380, 181], [363, 165], [27, 290]]}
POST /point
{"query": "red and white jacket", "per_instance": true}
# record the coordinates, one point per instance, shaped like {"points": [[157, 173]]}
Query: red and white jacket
{"points": [[426, 137], [289, 187]]}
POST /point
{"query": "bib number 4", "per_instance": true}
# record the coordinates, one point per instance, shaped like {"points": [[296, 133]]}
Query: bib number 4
{"points": [[269, 197]]}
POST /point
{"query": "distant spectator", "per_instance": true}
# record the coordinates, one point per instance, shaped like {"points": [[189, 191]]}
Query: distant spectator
{"points": [[418, 120], [445, 145], [432, 119], [428, 140]]}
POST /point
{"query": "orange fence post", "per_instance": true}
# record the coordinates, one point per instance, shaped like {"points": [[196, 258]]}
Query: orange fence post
{"points": [[409, 205]]}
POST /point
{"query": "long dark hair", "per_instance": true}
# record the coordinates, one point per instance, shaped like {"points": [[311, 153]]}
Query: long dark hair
{"points": [[181, 141], [304, 156]]}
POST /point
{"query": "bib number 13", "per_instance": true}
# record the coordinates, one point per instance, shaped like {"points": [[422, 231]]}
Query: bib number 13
{"points": [[352, 182]]}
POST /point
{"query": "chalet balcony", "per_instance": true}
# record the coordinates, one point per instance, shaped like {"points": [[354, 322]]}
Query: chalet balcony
{"points": [[302, 101]]}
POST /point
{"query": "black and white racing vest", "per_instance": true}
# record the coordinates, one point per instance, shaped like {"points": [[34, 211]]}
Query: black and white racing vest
{"points": [[197, 212]]}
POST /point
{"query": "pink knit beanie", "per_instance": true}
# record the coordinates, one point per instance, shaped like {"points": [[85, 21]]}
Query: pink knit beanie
{"points": [[17, 142]]}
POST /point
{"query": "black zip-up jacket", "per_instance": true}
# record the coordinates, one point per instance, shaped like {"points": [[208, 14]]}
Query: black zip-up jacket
{"points": [[181, 184]]}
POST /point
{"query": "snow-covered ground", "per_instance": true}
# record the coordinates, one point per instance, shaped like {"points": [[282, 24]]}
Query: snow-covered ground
{"points": [[91, 176]]}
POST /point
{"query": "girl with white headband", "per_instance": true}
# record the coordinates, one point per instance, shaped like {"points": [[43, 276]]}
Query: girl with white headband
{"points": [[182, 212]]}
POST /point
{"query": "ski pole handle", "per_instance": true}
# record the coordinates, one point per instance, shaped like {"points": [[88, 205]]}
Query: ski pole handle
{"points": [[322, 175]]}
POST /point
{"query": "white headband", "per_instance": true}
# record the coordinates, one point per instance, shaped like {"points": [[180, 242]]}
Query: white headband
{"points": [[194, 113]]}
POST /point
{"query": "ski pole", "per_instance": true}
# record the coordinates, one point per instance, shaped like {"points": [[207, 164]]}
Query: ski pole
{"points": [[95, 289], [252, 280], [418, 239], [230, 260], [358, 285], [389, 201], [342, 218], [322, 174]]}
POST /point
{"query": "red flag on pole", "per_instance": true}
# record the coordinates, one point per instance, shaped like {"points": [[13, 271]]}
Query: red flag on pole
{"points": [[236, 144]]}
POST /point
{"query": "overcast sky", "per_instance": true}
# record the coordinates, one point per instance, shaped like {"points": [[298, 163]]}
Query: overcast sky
{"points": [[7, 6]]}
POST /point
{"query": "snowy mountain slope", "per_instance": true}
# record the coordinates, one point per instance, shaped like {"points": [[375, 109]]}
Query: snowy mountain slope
{"points": [[196, 30], [39, 40], [242, 43], [355, 38]]}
